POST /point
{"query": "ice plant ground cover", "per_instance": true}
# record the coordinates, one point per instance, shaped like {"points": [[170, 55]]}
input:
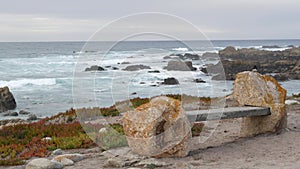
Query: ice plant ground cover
{"points": [[20, 142]]}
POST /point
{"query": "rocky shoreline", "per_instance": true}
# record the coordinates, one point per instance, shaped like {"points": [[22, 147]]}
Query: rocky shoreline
{"points": [[282, 65]]}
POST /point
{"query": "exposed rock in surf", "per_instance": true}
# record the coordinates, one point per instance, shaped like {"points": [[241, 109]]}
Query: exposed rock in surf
{"points": [[95, 68], [32, 117], [204, 70], [154, 71], [199, 80], [281, 77], [7, 100], [186, 56], [178, 65], [136, 67], [125, 63], [283, 65], [167, 57], [190, 56], [23, 112], [271, 46], [9, 113], [170, 81], [210, 55]]}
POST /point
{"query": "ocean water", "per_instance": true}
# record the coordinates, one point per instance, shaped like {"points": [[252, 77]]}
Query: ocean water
{"points": [[49, 77]]}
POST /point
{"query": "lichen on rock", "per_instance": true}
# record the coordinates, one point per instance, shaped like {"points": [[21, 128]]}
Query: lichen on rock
{"points": [[254, 89], [159, 128]]}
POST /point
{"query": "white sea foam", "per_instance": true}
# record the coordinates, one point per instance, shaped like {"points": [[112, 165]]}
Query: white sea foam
{"points": [[24, 82], [180, 49]]}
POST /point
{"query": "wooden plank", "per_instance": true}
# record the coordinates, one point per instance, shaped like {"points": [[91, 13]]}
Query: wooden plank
{"points": [[226, 113]]}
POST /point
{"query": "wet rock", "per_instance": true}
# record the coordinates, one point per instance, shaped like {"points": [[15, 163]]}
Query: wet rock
{"points": [[199, 80], [32, 117], [43, 163], [266, 62], [190, 56], [271, 46], [154, 71], [222, 77], [167, 57], [95, 68], [7, 100], [159, 128], [23, 112], [170, 81], [254, 89], [281, 77], [136, 67], [204, 70], [178, 65], [210, 55], [11, 114]]}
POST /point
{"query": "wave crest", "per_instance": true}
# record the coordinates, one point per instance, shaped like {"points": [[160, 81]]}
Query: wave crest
{"points": [[26, 82]]}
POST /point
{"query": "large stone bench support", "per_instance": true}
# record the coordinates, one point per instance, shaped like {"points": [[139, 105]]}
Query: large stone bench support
{"points": [[159, 128], [254, 89]]}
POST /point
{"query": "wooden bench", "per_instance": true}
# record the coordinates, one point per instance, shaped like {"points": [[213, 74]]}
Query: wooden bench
{"points": [[227, 113]]}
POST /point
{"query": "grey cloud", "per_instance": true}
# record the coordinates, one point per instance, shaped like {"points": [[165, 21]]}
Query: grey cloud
{"points": [[219, 19]]}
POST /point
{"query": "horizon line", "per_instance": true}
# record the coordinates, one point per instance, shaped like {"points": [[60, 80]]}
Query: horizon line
{"points": [[151, 40]]}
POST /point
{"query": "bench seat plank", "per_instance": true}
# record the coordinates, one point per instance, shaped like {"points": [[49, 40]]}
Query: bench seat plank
{"points": [[228, 113]]}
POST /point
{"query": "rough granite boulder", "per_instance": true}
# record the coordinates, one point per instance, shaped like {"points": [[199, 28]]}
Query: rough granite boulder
{"points": [[159, 129], [7, 100], [254, 89]]}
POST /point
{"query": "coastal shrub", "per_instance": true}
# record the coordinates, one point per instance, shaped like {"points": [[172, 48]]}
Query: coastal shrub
{"points": [[23, 141]]}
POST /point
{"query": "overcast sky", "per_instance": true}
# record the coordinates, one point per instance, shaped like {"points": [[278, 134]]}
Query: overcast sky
{"points": [[69, 20]]}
